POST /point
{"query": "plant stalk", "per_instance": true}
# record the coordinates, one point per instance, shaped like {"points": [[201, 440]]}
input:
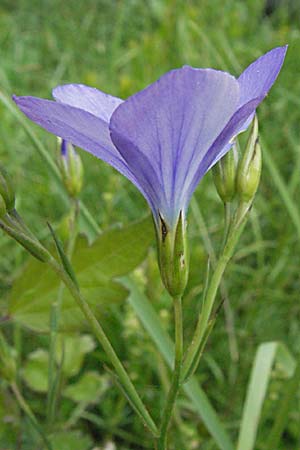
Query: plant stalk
{"points": [[175, 384], [124, 379], [209, 300]]}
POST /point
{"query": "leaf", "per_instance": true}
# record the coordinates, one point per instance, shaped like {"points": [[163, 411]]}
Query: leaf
{"points": [[266, 355], [151, 322], [116, 252], [35, 371], [74, 348], [87, 389], [71, 440]]}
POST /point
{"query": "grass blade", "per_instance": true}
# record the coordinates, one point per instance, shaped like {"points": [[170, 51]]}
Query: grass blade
{"points": [[264, 360], [256, 392]]}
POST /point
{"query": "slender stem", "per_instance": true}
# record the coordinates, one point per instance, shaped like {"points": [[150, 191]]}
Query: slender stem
{"points": [[36, 248], [53, 374], [227, 221], [175, 384], [25, 407], [204, 317], [124, 379], [229, 317]]}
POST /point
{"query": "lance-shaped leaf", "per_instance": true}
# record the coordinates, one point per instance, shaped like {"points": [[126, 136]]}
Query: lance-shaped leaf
{"points": [[115, 253]]}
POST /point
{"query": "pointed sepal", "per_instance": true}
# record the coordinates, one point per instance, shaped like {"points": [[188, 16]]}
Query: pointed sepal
{"points": [[173, 255]]}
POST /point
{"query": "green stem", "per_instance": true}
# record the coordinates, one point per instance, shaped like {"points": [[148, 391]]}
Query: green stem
{"points": [[175, 385], [209, 300], [54, 374], [124, 379], [25, 407], [227, 221]]}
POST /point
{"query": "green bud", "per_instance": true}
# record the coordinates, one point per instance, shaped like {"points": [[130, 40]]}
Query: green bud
{"points": [[224, 175], [249, 169], [71, 169], [7, 361], [6, 190], [173, 255]]}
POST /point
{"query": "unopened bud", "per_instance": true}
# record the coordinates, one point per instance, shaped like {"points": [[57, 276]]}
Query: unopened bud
{"points": [[71, 168], [249, 169], [6, 190], [173, 255], [224, 175]]}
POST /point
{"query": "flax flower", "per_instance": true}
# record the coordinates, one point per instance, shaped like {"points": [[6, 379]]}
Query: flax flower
{"points": [[165, 137]]}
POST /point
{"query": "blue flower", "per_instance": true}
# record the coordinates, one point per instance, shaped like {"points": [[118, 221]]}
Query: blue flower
{"points": [[165, 137]]}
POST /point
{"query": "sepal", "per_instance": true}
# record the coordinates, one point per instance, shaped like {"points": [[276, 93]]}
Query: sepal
{"points": [[173, 255], [71, 168], [249, 169], [224, 175]]}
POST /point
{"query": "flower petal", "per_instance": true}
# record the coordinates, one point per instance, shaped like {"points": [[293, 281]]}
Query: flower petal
{"points": [[165, 130], [255, 82], [79, 127], [258, 78], [85, 97], [221, 145]]}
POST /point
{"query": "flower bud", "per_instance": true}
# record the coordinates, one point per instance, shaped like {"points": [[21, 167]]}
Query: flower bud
{"points": [[249, 169], [6, 190], [224, 175], [71, 168], [173, 255]]}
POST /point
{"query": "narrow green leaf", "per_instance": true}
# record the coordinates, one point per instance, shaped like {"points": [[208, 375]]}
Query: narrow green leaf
{"points": [[151, 322], [264, 360]]}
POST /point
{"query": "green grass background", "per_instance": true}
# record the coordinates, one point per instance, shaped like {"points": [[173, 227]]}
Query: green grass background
{"points": [[120, 47]]}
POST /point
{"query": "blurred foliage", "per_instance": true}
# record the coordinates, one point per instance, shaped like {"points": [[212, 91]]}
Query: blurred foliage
{"points": [[120, 47]]}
